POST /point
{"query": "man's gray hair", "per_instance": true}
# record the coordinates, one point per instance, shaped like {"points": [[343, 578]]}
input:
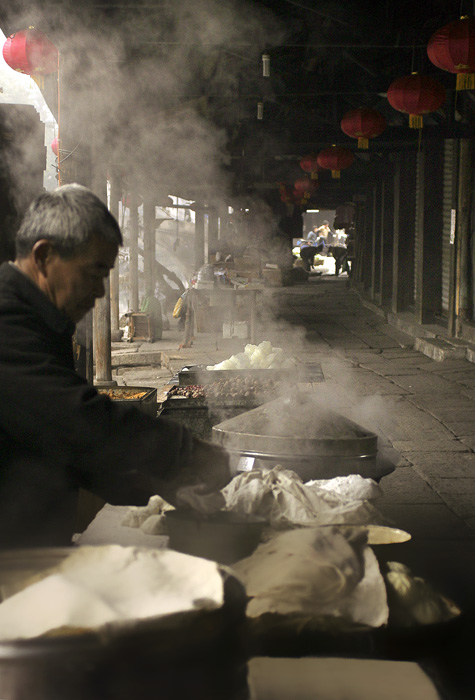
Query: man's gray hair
{"points": [[69, 217]]}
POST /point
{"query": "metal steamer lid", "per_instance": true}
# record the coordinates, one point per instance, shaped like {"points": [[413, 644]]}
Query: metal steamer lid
{"points": [[295, 427]]}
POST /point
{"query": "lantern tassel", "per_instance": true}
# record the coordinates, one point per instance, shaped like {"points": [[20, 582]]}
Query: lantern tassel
{"points": [[465, 81], [39, 80], [314, 175], [336, 174], [363, 142], [415, 121]]}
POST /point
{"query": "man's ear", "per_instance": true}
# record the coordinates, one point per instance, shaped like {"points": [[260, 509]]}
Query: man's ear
{"points": [[42, 254]]}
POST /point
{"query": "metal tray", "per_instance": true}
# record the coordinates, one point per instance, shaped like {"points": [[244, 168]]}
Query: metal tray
{"points": [[198, 374], [146, 403]]}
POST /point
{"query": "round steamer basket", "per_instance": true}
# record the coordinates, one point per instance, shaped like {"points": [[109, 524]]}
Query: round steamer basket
{"points": [[286, 432]]}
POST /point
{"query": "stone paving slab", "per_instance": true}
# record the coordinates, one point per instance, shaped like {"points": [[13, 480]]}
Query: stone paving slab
{"points": [[403, 339], [406, 354], [468, 440], [460, 428], [443, 401], [415, 421], [436, 444], [462, 504], [449, 366], [446, 415], [346, 344], [454, 486], [422, 384], [357, 356], [378, 341], [404, 485], [385, 369], [465, 378], [447, 465]]}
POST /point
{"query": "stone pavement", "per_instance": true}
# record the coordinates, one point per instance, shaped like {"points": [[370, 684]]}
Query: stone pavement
{"points": [[423, 410]]}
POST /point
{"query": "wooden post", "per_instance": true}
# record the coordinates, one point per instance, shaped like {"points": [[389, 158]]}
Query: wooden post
{"points": [[82, 348], [403, 232], [102, 308], [375, 245], [463, 303], [212, 229], [452, 310], [134, 254], [199, 237], [149, 243], [114, 275], [429, 258], [387, 219]]}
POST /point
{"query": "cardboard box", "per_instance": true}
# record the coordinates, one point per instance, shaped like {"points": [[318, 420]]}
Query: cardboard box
{"points": [[247, 263], [272, 278], [241, 329]]}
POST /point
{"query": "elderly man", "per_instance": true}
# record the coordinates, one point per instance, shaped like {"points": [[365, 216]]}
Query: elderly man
{"points": [[57, 433]]}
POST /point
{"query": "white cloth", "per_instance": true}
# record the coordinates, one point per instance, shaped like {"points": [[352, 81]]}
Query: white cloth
{"points": [[281, 497], [98, 586]]}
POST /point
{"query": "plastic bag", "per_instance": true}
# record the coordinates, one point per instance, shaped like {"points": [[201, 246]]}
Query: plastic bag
{"points": [[180, 306]]}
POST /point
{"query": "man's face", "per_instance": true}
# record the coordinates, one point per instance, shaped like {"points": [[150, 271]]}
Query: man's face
{"points": [[73, 285]]}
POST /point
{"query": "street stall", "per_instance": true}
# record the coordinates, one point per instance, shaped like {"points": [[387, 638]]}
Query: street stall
{"points": [[228, 310], [152, 620], [203, 396], [291, 559]]}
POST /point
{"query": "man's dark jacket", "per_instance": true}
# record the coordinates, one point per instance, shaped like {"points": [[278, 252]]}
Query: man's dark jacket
{"points": [[58, 434]]}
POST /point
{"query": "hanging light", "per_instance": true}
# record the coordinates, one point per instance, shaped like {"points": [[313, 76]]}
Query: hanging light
{"points": [[260, 110], [266, 65]]}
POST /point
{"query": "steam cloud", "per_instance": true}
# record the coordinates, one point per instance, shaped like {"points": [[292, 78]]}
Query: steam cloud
{"points": [[149, 115]]}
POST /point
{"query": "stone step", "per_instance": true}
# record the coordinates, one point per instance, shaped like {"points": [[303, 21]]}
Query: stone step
{"points": [[135, 359], [439, 350], [407, 324]]}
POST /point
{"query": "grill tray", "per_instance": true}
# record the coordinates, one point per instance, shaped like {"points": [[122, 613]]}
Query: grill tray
{"points": [[198, 374]]}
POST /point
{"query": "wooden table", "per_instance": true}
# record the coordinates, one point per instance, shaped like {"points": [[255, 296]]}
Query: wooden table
{"points": [[219, 297]]}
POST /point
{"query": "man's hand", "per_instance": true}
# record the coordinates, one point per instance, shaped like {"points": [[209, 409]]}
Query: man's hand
{"points": [[199, 483], [203, 480], [210, 465]]}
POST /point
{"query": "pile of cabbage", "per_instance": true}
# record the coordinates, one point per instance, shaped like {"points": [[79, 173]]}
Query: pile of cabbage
{"points": [[262, 356]]}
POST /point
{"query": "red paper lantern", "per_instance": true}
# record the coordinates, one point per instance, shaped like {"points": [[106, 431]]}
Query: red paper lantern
{"points": [[304, 184], [335, 158], [309, 164], [416, 95], [304, 187], [55, 145], [452, 48], [363, 124], [30, 51]]}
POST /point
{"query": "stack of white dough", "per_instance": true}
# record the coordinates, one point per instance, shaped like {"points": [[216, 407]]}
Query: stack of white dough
{"points": [[262, 356]]}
